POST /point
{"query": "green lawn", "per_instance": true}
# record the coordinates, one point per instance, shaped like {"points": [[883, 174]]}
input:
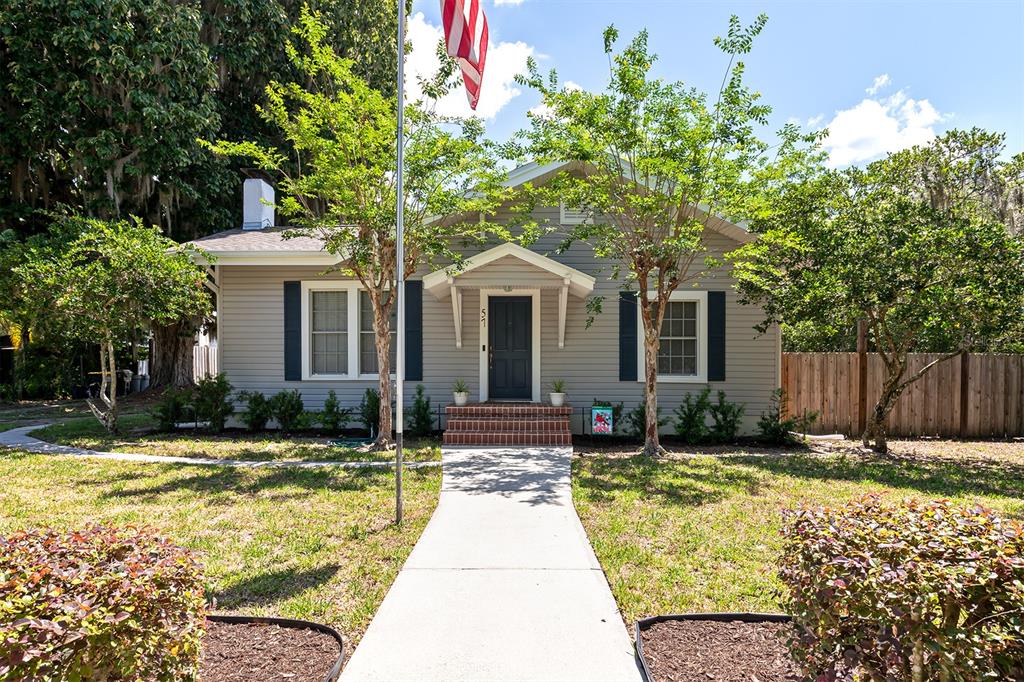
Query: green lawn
{"points": [[315, 544], [137, 436], [702, 533]]}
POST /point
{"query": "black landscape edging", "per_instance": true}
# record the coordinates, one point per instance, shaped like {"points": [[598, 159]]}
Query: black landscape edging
{"points": [[645, 623], [335, 671]]}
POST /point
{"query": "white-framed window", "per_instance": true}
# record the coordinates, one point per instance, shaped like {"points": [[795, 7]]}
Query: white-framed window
{"points": [[683, 340], [367, 337], [572, 215], [337, 332]]}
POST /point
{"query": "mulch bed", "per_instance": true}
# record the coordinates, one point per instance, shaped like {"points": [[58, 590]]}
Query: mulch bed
{"points": [[242, 653], [688, 650]]}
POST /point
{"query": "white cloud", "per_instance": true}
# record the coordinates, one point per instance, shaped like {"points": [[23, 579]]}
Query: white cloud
{"points": [[814, 121], [877, 126], [507, 2], [879, 83], [504, 62]]}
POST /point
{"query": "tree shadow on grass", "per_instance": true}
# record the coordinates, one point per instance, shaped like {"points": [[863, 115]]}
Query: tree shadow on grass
{"points": [[272, 586], [934, 476], [221, 484], [685, 482]]}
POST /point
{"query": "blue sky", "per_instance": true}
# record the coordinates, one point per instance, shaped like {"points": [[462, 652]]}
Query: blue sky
{"points": [[880, 75]]}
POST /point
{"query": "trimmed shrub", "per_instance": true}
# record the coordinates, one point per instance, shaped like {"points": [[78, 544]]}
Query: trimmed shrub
{"points": [[212, 401], [369, 411], [775, 430], [257, 410], [725, 418], [691, 421], [911, 591], [334, 417], [288, 410], [421, 420], [172, 408], [636, 421], [99, 604]]}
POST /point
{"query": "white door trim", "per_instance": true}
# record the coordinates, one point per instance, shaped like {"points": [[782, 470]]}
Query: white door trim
{"points": [[485, 305]]}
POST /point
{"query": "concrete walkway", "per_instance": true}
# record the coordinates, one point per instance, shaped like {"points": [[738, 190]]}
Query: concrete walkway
{"points": [[20, 440], [502, 585]]}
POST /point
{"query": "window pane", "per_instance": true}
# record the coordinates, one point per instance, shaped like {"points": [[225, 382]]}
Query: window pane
{"points": [[330, 353], [677, 354], [690, 365], [330, 310], [367, 346]]}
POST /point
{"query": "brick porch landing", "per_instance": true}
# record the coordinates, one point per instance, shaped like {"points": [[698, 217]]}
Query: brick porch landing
{"points": [[507, 424]]}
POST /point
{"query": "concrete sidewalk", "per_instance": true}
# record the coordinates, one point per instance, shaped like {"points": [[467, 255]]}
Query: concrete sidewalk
{"points": [[502, 585]]}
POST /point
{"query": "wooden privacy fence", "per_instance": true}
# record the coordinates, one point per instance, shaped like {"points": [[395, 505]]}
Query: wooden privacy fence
{"points": [[972, 395], [204, 361]]}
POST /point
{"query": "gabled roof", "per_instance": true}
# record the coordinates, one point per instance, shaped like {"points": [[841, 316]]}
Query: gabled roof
{"points": [[538, 173], [580, 283]]}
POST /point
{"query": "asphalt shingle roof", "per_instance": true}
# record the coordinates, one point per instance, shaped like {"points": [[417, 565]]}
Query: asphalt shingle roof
{"points": [[267, 239]]}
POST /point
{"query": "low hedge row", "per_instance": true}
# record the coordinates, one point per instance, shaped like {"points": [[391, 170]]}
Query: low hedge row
{"points": [[911, 591], [99, 604]]}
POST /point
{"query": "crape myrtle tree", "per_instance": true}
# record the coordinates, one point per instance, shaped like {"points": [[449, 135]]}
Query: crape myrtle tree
{"points": [[660, 160], [344, 190], [919, 245], [108, 279]]}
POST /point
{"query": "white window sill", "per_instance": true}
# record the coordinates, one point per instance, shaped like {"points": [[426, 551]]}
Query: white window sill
{"points": [[343, 377], [681, 379]]}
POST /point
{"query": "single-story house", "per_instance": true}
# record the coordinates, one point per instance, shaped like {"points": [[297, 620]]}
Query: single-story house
{"points": [[513, 320]]}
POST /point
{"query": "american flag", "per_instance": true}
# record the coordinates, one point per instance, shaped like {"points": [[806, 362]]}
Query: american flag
{"points": [[465, 34]]}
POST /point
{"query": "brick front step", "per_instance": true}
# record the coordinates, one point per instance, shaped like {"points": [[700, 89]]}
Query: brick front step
{"points": [[510, 410], [504, 423], [506, 438]]}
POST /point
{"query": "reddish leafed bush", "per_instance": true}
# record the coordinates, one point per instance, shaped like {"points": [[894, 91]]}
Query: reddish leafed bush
{"points": [[910, 591], [99, 604]]}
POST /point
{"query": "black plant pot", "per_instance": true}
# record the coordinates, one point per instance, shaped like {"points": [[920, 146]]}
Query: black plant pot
{"points": [[335, 671], [646, 623]]}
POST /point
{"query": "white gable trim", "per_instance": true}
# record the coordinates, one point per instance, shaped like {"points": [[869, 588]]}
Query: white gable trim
{"points": [[440, 282]]}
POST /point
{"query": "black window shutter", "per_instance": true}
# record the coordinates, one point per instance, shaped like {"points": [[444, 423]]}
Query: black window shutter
{"points": [[292, 331], [414, 330], [716, 336], [627, 336]]}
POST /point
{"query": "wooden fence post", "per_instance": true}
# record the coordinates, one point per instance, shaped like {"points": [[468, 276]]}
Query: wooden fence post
{"points": [[965, 392], [862, 376]]}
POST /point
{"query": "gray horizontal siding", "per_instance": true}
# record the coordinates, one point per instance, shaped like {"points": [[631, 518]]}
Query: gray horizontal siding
{"points": [[251, 335]]}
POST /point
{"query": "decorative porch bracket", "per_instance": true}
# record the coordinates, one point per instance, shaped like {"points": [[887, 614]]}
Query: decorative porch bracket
{"points": [[456, 311], [563, 304]]}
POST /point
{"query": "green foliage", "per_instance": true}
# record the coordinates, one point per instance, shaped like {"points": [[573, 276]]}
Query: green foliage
{"points": [[617, 409], [774, 429], [99, 604], [369, 411], [460, 386], [334, 417], [725, 419], [258, 410], [910, 591], [919, 245], [172, 408], [421, 419], [636, 421], [288, 410], [558, 386], [691, 417], [213, 402], [109, 280], [662, 159]]}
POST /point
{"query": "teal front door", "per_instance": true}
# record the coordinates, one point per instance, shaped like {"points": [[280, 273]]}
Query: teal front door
{"points": [[510, 355]]}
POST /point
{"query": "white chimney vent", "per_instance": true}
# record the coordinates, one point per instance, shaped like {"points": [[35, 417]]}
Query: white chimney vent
{"points": [[257, 204]]}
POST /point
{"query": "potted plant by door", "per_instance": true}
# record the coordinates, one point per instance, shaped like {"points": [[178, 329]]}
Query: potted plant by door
{"points": [[461, 392], [557, 394]]}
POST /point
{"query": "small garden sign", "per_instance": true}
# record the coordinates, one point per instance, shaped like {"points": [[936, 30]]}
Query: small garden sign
{"points": [[602, 420]]}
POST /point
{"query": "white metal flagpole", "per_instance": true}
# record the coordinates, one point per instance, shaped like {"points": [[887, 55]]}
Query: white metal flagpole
{"points": [[399, 292]]}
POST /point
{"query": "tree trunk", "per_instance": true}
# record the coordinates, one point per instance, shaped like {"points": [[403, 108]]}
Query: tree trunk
{"points": [[652, 442], [382, 338], [107, 412], [875, 430], [172, 363]]}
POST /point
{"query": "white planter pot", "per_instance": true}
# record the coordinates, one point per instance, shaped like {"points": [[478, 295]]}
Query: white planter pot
{"points": [[461, 398], [557, 399]]}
